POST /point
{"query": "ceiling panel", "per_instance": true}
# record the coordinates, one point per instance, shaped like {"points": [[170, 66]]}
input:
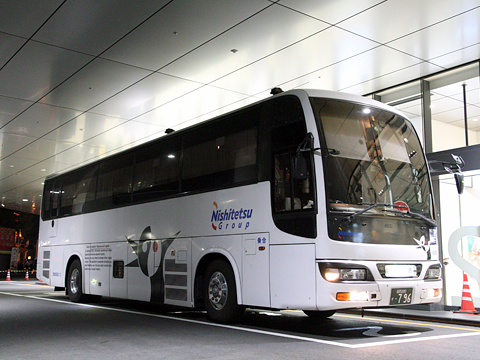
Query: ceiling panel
{"points": [[180, 28], [450, 35], [408, 16], [92, 26], [9, 45], [283, 66], [38, 69], [366, 71], [393, 78], [216, 59], [83, 127], [11, 107], [39, 150], [96, 82], [331, 11], [145, 95], [205, 102], [121, 135], [23, 18], [39, 119], [459, 56]]}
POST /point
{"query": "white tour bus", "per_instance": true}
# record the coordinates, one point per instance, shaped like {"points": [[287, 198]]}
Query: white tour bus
{"points": [[309, 200]]}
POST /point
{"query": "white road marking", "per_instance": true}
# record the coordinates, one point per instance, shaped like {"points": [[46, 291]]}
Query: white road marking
{"points": [[256, 331]]}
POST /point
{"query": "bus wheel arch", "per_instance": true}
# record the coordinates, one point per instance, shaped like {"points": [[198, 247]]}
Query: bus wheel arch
{"points": [[74, 280], [216, 285]]}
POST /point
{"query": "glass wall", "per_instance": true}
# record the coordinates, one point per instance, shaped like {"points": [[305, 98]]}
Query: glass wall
{"points": [[460, 211], [455, 101]]}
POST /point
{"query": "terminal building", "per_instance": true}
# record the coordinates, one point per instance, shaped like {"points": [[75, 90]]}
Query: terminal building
{"points": [[80, 81]]}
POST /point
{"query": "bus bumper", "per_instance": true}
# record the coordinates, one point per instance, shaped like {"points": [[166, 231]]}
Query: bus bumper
{"points": [[382, 293]]}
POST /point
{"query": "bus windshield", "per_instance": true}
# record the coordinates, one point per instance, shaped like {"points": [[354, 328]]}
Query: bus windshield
{"points": [[373, 162]]}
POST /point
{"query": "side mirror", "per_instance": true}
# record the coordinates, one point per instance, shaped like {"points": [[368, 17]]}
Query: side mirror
{"points": [[459, 182], [299, 167]]}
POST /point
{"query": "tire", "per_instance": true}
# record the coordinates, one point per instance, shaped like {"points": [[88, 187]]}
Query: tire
{"points": [[75, 282], [220, 293], [319, 314]]}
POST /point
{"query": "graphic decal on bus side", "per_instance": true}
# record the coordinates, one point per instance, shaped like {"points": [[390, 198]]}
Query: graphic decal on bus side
{"points": [[230, 218], [142, 250]]}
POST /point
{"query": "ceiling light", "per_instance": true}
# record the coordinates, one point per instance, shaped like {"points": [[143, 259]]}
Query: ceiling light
{"points": [[474, 119], [25, 200], [367, 111], [234, 51]]}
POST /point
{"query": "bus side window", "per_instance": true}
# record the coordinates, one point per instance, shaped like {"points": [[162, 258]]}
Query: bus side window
{"points": [[290, 194], [114, 184], [55, 199], [157, 171]]}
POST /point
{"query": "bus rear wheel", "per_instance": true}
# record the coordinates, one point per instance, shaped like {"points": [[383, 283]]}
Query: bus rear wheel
{"points": [[220, 293], [75, 283]]}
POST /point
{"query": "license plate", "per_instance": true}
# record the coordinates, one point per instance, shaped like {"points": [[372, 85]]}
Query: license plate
{"points": [[401, 296]]}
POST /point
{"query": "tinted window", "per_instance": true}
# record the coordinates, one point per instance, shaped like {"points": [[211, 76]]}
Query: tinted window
{"points": [[157, 171], [223, 154]]}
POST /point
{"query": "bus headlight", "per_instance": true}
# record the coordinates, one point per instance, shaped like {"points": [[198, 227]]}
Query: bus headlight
{"points": [[336, 274], [434, 272]]}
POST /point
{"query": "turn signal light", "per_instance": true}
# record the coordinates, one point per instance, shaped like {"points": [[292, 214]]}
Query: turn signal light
{"points": [[352, 296]]}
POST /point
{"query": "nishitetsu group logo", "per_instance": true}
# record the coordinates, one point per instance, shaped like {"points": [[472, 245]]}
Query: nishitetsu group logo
{"points": [[231, 218]]}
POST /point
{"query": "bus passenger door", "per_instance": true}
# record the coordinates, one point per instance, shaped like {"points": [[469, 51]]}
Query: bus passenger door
{"points": [[255, 270], [177, 272]]}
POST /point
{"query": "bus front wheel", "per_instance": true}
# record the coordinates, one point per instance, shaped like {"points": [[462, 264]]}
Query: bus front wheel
{"points": [[220, 293]]}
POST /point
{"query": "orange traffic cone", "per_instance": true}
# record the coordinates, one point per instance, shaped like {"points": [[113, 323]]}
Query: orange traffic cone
{"points": [[8, 275], [26, 275], [467, 301]]}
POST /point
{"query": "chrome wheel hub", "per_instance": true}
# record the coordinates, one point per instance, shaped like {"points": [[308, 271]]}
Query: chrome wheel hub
{"points": [[218, 290]]}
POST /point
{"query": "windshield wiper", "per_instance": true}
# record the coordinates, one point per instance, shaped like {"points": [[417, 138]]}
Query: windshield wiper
{"points": [[395, 211], [414, 215], [371, 206]]}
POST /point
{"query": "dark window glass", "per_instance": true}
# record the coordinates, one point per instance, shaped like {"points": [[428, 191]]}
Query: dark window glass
{"points": [[157, 171], [115, 177], [293, 200], [78, 190], [222, 155]]}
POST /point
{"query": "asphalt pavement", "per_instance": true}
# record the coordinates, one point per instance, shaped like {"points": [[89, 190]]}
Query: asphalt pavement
{"points": [[442, 314]]}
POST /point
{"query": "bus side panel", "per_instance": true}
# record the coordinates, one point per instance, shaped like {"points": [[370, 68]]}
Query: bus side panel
{"points": [[57, 270], [118, 278], [255, 270], [97, 268], [292, 276]]}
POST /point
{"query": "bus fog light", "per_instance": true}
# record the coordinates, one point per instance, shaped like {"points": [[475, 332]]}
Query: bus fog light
{"points": [[352, 296]]}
